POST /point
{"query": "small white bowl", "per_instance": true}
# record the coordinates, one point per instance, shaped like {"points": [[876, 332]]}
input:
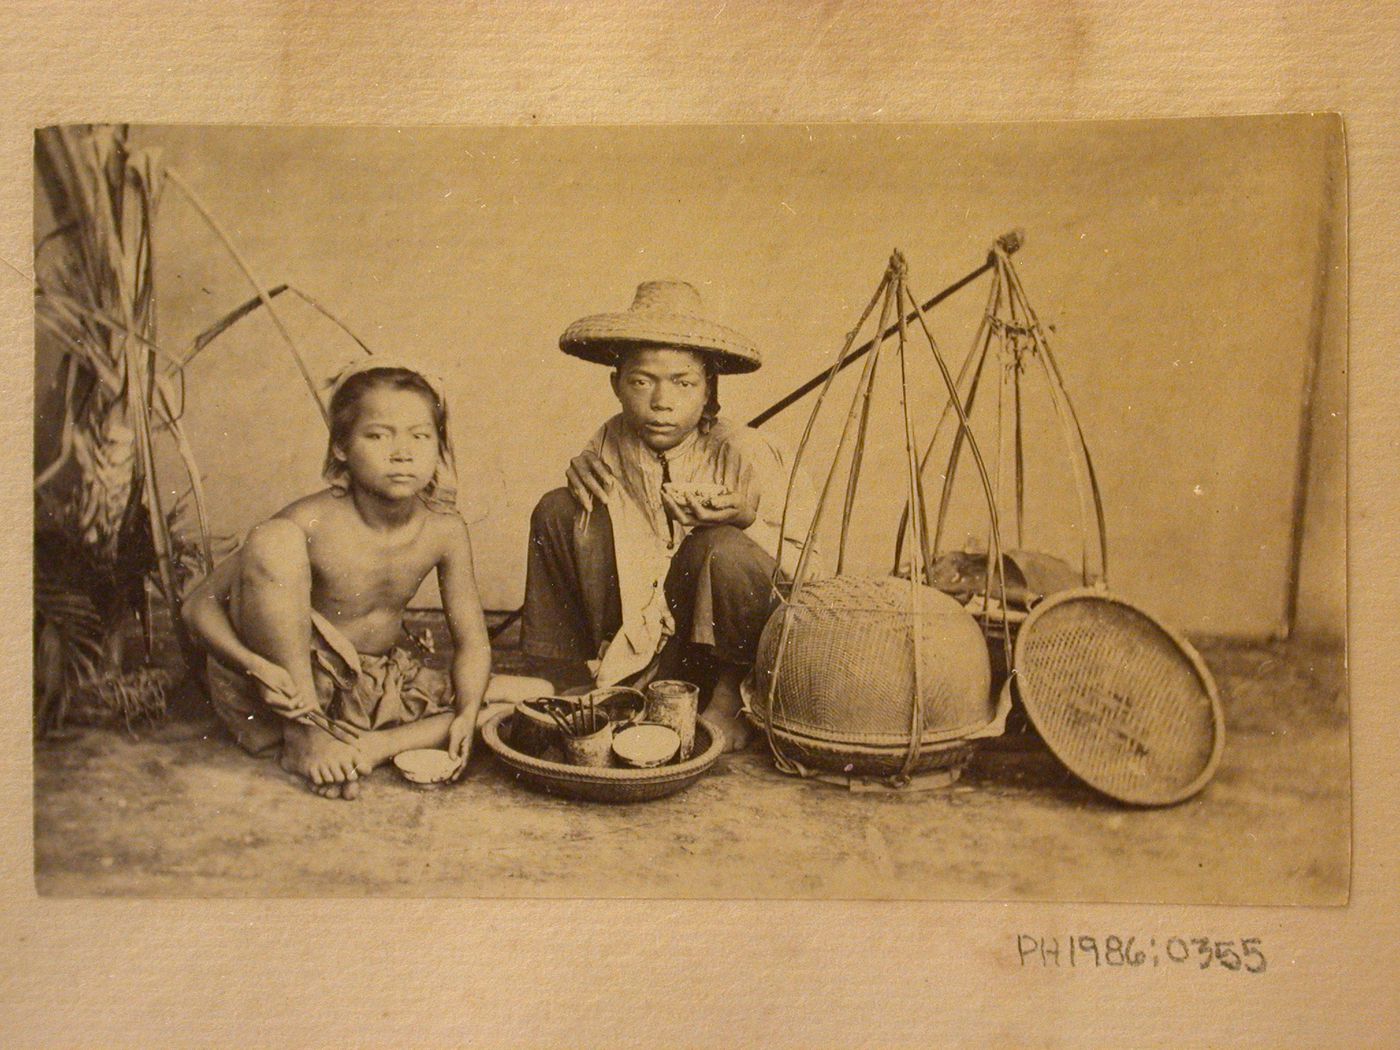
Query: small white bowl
{"points": [[646, 745], [426, 766]]}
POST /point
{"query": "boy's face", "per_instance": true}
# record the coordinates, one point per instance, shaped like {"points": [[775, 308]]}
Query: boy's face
{"points": [[663, 393], [392, 450]]}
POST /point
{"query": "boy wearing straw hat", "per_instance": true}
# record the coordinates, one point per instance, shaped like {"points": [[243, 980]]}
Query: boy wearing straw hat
{"points": [[657, 559]]}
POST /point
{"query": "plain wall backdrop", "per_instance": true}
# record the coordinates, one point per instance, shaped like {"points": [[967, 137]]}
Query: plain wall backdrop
{"points": [[1192, 269]]}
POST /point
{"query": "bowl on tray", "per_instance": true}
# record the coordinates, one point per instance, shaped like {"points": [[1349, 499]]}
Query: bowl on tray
{"points": [[646, 745]]}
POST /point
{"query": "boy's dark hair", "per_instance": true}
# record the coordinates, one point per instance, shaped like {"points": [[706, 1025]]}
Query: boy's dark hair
{"points": [[710, 412], [345, 408]]}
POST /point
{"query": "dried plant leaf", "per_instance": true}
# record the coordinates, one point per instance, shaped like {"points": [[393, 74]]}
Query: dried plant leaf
{"points": [[186, 452], [258, 286]]}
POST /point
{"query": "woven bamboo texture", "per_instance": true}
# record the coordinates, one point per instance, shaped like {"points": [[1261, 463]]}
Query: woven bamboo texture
{"points": [[601, 785], [1122, 701], [847, 674], [859, 760]]}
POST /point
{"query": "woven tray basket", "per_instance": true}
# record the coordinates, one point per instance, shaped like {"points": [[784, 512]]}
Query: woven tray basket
{"points": [[601, 785], [1124, 702]]}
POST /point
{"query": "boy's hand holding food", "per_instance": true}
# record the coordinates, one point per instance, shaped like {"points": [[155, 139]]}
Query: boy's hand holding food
{"points": [[700, 506]]}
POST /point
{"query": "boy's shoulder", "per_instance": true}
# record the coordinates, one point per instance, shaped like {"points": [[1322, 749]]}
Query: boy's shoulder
{"points": [[444, 521], [739, 437], [309, 511], [329, 507]]}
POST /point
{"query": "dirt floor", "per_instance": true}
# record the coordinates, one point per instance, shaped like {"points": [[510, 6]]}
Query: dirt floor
{"points": [[176, 810]]}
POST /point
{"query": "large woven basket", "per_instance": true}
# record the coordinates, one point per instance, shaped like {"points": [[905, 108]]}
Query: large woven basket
{"points": [[844, 690]]}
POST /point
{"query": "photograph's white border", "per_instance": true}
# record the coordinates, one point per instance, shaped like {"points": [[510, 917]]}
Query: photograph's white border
{"points": [[297, 973]]}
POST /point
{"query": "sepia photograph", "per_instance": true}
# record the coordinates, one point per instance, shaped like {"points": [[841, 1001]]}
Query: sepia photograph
{"points": [[737, 511]]}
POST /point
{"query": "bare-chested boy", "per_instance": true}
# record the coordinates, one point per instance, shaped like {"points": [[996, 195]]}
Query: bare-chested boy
{"points": [[305, 622]]}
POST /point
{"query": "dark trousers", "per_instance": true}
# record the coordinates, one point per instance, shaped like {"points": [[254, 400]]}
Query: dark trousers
{"points": [[719, 588]]}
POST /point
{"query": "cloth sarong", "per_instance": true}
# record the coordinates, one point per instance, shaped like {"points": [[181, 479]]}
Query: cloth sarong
{"points": [[364, 690]]}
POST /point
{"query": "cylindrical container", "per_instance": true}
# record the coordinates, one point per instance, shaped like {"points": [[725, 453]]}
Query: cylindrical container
{"points": [[676, 704], [593, 750]]}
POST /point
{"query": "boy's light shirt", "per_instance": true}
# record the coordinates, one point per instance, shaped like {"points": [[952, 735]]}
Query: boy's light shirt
{"points": [[641, 530]]}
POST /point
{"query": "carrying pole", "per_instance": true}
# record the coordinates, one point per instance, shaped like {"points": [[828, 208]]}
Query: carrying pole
{"points": [[1009, 242]]}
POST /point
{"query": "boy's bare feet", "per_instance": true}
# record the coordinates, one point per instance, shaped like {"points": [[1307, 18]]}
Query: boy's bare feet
{"points": [[723, 712], [329, 765], [374, 747]]}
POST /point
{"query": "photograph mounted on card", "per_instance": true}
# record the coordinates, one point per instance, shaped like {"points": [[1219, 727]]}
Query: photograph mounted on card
{"points": [[824, 511]]}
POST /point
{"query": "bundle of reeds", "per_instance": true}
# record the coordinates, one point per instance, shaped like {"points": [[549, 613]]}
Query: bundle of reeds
{"points": [[102, 530]]}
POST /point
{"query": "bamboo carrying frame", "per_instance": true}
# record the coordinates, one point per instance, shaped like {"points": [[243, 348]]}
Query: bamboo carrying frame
{"points": [[896, 299], [1010, 324]]}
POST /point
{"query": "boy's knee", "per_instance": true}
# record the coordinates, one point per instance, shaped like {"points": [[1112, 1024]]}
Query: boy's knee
{"points": [[727, 550], [275, 551], [555, 509]]}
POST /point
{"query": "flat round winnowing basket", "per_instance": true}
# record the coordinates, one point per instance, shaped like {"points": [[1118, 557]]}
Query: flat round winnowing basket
{"points": [[845, 686], [1124, 702]]}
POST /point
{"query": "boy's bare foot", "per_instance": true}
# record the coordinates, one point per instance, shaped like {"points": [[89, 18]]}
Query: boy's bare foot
{"points": [[723, 711], [735, 729], [371, 752], [324, 761], [374, 747]]}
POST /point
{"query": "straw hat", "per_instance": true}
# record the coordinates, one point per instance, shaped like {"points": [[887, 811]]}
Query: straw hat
{"points": [[664, 313]]}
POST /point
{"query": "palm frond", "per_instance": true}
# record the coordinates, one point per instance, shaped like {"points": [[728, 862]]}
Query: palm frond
{"points": [[258, 286]]}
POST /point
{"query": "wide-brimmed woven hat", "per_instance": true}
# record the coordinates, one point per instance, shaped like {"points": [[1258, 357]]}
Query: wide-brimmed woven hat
{"points": [[663, 313]]}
